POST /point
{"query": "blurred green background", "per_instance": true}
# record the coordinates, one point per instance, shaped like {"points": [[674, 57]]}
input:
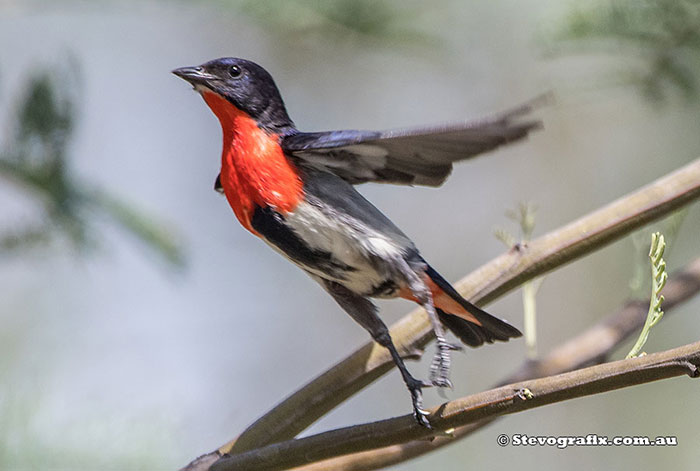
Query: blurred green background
{"points": [[132, 300]]}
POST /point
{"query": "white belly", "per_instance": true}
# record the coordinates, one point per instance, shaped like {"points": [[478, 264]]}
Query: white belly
{"points": [[349, 242]]}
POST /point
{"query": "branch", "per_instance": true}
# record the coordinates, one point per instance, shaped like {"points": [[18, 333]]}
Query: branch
{"points": [[492, 280], [507, 399], [590, 347]]}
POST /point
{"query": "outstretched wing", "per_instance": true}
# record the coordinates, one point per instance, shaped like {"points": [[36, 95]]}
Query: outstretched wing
{"points": [[411, 156]]}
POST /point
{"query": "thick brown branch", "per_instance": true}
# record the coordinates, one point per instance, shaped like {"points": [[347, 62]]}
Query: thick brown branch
{"points": [[591, 346], [507, 399]]}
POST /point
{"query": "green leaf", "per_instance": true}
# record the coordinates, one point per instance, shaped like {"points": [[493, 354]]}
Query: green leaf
{"points": [[658, 281]]}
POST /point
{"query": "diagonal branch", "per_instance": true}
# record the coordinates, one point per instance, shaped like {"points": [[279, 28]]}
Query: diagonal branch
{"points": [[589, 347], [492, 280], [507, 399]]}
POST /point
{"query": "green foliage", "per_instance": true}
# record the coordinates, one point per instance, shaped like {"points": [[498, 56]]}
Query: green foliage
{"points": [[664, 33], [669, 226], [386, 21], [658, 281], [35, 157], [524, 215], [36, 160], [46, 119]]}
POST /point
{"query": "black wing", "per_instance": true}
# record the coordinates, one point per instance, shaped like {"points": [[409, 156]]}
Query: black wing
{"points": [[411, 156]]}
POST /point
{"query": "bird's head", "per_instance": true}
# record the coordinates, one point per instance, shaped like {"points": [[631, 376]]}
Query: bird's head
{"points": [[243, 84]]}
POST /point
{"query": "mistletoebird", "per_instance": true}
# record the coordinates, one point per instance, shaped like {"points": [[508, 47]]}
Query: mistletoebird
{"points": [[296, 191]]}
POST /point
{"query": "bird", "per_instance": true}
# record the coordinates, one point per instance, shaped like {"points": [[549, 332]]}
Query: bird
{"points": [[297, 192]]}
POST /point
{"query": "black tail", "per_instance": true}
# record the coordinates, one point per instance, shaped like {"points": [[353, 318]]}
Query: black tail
{"points": [[491, 328]]}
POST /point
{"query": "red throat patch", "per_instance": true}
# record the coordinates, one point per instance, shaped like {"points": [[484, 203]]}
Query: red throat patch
{"points": [[254, 169]]}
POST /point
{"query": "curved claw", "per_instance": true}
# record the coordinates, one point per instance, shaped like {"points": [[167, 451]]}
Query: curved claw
{"points": [[421, 417], [415, 386], [442, 383]]}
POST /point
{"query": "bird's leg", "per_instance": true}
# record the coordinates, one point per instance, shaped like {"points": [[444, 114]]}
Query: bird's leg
{"points": [[440, 366], [414, 385], [365, 313]]}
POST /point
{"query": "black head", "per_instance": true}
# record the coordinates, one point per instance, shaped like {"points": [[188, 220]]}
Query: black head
{"points": [[246, 85]]}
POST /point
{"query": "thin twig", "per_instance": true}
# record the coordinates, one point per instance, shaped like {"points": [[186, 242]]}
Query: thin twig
{"points": [[507, 399]]}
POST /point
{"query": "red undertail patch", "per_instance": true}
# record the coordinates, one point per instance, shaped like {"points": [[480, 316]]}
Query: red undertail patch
{"points": [[442, 301]]}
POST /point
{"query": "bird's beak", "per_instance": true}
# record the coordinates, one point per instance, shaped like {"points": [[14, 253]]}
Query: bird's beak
{"points": [[194, 75]]}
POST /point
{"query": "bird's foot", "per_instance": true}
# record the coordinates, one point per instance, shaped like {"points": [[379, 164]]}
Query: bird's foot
{"points": [[415, 386], [440, 367]]}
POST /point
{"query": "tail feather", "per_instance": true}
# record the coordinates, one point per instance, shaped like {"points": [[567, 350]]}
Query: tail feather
{"points": [[486, 329]]}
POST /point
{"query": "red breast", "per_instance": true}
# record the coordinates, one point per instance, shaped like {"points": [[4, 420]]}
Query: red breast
{"points": [[254, 169]]}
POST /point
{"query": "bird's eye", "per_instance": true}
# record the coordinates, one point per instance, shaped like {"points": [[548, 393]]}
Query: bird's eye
{"points": [[235, 71]]}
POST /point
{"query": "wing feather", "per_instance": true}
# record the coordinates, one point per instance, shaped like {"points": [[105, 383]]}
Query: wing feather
{"points": [[422, 156]]}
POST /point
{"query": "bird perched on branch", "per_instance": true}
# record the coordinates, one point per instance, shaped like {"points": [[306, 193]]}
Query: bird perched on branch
{"points": [[295, 190]]}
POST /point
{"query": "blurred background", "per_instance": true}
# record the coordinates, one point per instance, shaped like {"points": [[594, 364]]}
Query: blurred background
{"points": [[141, 326]]}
